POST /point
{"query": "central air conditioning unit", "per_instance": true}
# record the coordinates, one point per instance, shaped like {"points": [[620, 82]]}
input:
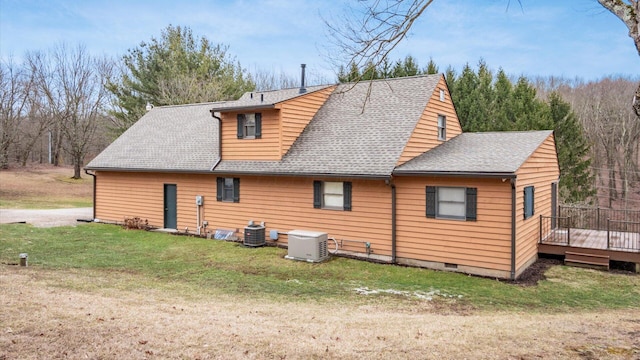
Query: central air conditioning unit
{"points": [[307, 246], [254, 236]]}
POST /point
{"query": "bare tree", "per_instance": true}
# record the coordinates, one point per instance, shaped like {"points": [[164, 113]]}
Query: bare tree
{"points": [[72, 84], [629, 12], [366, 35], [15, 85]]}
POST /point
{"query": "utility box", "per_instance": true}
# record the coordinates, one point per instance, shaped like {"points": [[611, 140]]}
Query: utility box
{"points": [[307, 245], [199, 200]]}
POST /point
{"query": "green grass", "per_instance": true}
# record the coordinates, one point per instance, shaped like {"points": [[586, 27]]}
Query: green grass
{"points": [[229, 268]]}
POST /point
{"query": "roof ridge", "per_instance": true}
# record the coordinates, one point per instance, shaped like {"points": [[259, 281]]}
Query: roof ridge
{"points": [[395, 78], [191, 104], [289, 88]]}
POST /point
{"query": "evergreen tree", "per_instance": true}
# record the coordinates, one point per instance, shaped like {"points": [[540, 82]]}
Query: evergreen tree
{"points": [[576, 185], [501, 110], [431, 68], [175, 69]]}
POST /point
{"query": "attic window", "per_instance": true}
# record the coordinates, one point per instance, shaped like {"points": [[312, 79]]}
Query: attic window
{"points": [[250, 126], [442, 127], [442, 95]]}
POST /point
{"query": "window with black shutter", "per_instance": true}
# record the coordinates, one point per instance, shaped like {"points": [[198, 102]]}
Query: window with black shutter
{"points": [[228, 189], [451, 203], [249, 126], [332, 195]]}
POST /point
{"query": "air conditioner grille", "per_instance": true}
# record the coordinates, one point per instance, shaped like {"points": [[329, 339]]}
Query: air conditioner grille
{"points": [[254, 236]]}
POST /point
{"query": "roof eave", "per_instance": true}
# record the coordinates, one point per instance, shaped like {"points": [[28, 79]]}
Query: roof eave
{"points": [[119, 169], [246, 107], [475, 174], [304, 174]]}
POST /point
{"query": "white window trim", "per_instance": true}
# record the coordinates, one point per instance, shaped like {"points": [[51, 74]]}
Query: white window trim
{"points": [[339, 185], [463, 203], [442, 130], [247, 118]]}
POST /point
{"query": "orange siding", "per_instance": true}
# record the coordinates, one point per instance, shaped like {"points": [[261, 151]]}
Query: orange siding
{"points": [[265, 148], [283, 203], [425, 135], [485, 243], [540, 170], [121, 195], [297, 113]]}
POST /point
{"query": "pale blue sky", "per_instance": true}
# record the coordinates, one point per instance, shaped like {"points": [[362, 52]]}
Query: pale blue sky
{"points": [[571, 38]]}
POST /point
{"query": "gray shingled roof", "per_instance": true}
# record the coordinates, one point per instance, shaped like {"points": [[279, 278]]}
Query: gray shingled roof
{"points": [[478, 153], [264, 99], [167, 138], [350, 137]]}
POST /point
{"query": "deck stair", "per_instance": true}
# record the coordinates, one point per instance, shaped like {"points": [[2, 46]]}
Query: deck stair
{"points": [[581, 259]]}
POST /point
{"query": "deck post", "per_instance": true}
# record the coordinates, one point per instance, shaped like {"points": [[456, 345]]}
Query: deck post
{"points": [[638, 268], [608, 236], [598, 217], [540, 238], [569, 231]]}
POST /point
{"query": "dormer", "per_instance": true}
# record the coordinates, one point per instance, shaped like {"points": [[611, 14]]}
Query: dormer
{"points": [[437, 124], [263, 125]]}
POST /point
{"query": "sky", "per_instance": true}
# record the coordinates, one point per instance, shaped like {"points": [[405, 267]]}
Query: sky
{"points": [[568, 38]]}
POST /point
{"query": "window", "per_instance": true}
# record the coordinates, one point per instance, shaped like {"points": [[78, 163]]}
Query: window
{"points": [[529, 200], [452, 203], [250, 126], [442, 127], [332, 195], [228, 189], [441, 95]]}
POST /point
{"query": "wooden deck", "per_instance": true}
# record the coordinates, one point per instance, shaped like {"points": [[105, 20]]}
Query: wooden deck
{"points": [[621, 246]]}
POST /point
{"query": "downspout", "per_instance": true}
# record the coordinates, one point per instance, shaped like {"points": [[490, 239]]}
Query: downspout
{"points": [[393, 223], [94, 192], [219, 139], [513, 228], [389, 182]]}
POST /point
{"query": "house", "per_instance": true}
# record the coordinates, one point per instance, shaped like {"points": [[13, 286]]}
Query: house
{"points": [[383, 167]]}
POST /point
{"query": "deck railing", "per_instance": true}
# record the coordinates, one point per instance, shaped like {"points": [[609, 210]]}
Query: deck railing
{"points": [[555, 230], [595, 218], [621, 234]]}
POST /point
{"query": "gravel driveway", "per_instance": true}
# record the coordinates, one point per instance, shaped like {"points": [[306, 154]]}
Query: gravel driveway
{"points": [[46, 218]]}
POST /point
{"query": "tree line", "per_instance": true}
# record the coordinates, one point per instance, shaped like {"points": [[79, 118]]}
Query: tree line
{"points": [[485, 101]]}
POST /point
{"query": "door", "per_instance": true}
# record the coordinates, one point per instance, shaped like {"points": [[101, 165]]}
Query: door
{"points": [[170, 206], [554, 204]]}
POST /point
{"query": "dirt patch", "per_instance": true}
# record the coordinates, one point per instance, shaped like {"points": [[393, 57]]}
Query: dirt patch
{"points": [[535, 273], [78, 314], [47, 186]]}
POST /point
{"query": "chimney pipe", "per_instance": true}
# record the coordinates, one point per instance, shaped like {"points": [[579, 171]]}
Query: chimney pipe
{"points": [[302, 88]]}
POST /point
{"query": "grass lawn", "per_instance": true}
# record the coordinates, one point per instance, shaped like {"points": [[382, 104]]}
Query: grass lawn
{"points": [[218, 267]]}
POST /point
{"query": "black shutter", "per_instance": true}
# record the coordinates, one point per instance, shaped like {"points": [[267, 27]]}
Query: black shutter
{"points": [[346, 195], [533, 201], [431, 201], [236, 190], [240, 126], [528, 202], [220, 188], [472, 204], [258, 125], [317, 194]]}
